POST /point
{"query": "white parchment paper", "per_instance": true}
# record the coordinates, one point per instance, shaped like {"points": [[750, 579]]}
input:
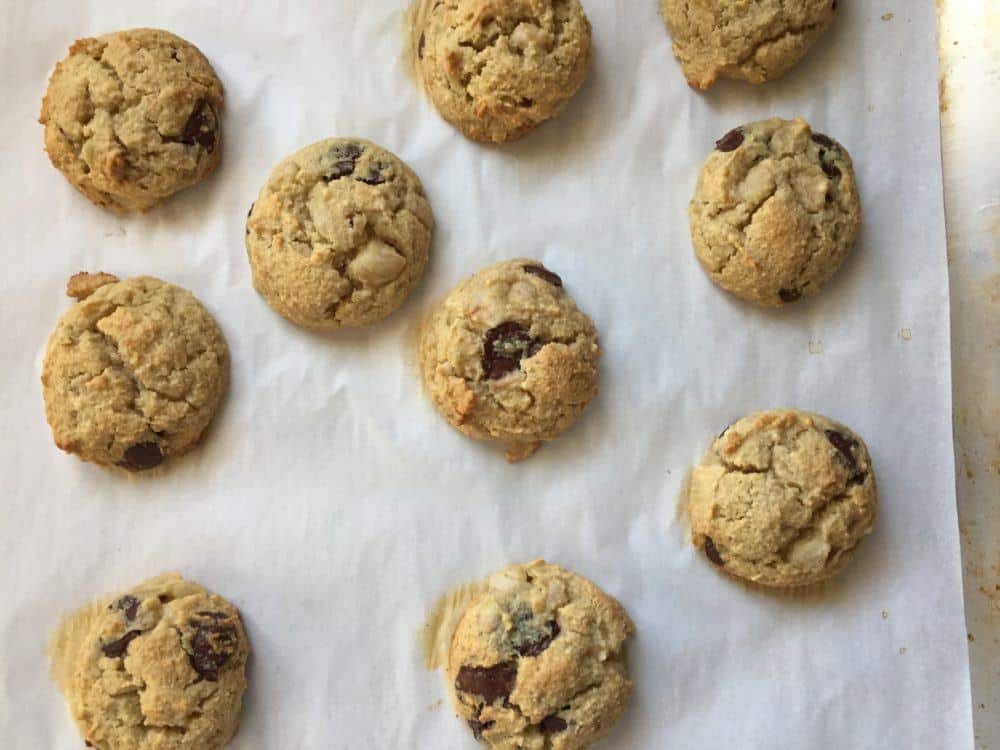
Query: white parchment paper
{"points": [[333, 505]]}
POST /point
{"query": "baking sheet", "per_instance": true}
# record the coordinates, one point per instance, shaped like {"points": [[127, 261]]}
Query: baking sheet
{"points": [[333, 505]]}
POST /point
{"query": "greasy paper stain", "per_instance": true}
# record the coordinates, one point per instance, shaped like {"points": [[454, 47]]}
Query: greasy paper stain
{"points": [[435, 635], [62, 649]]}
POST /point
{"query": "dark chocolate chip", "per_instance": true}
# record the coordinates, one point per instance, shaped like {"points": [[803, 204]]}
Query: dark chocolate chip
{"points": [[127, 604], [376, 174], [118, 648], [213, 640], [730, 141], [544, 273], [504, 346], [491, 683], [478, 727], [830, 170], [552, 725], [345, 157], [535, 642], [789, 295], [142, 456], [200, 127], [843, 444], [825, 141], [420, 45], [712, 553]]}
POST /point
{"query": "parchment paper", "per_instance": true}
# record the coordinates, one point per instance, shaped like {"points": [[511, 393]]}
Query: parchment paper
{"points": [[333, 505]]}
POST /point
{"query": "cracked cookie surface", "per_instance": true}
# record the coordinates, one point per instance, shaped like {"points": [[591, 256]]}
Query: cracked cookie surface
{"points": [[507, 356], [537, 662], [133, 372], [496, 69], [749, 40], [339, 235], [159, 667], [782, 498], [775, 212], [132, 117]]}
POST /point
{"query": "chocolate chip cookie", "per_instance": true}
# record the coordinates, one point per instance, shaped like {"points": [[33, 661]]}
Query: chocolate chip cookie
{"points": [[538, 661], [782, 498], [775, 212], [508, 357], [159, 667], [752, 41], [339, 235], [132, 117], [497, 70], [133, 372]]}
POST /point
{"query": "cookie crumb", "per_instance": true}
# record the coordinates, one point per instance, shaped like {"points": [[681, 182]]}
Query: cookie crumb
{"points": [[82, 285], [905, 334], [888, 16]]}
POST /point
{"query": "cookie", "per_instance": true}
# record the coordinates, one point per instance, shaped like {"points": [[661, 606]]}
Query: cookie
{"points": [[132, 117], [747, 40], [159, 667], [508, 357], [339, 235], [782, 498], [133, 372], [775, 212], [496, 70], [538, 661]]}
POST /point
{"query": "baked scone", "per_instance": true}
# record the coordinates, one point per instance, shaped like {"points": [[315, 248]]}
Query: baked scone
{"points": [[132, 117], [496, 69], [748, 40], [339, 234], [782, 498], [538, 661], [507, 356], [775, 212], [160, 667], [133, 372]]}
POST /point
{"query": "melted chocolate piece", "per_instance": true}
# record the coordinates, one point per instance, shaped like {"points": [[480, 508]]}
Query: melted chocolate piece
{"points": [[142, 456], [127, 604], [544, 273], [730, 141], [504, 346], [789, 295], [200, 127], [712, 552], [213, 641], [345, 157], [552, 725], [118, 648], [491, 683]]}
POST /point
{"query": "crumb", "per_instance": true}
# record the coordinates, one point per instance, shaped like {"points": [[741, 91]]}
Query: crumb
{"points": [[902, 650], [888, 16], [906, 334], [885, 615], [815, 347]]}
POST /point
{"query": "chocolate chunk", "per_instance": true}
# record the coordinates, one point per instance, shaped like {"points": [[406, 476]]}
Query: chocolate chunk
{"points": [[535, 641], [712, 553], [830, 170], [544, 273], [420, 45], [492, 683], [478, 727], [118, 648], [142, 456], [504, 346], [127, 604], [376, 174], [730, 141], [345, 157], [213, 641], [843, 444], [552, 725], [789, 295], [200, 127], [825, 141]]}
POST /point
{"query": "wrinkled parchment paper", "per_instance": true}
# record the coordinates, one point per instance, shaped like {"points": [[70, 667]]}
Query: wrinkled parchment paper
{"points": [[333, 505]]}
